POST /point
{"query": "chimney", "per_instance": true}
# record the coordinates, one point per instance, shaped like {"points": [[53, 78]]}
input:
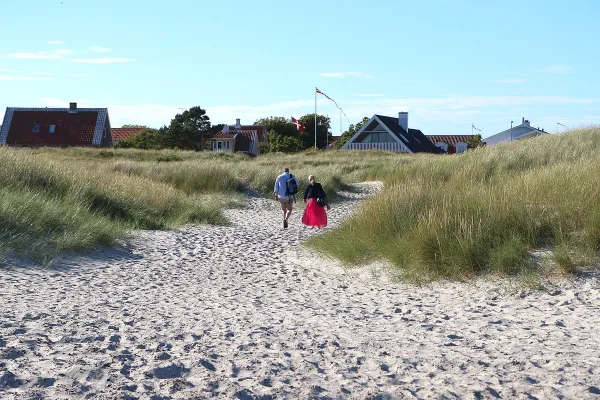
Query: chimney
{"points": [[72, 107], [403, 120], [237, 124]]}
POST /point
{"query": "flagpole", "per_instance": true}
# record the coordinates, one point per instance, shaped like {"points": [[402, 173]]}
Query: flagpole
{"points": [[315, 117]]}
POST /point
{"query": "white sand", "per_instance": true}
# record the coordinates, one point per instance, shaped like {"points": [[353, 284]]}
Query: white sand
{"points": [[245, 312]]}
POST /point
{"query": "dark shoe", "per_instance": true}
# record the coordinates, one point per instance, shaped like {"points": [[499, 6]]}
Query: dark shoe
{"points": [[285, 223]]}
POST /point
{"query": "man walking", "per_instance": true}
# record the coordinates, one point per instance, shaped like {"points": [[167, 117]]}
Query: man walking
{"points": [[286, 186]]}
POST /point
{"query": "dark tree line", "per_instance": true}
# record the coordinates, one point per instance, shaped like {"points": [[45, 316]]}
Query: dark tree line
{"points": [[192, 130]]}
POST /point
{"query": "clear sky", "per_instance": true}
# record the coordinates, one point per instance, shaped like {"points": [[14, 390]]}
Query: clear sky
{"points": [[450, 64]]}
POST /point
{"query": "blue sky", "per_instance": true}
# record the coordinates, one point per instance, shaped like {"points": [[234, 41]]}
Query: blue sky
{"points": [[448, 63]]}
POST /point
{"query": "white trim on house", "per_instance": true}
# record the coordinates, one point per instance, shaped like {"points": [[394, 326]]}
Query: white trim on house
{"points": [[392, 147], [350, 145]]}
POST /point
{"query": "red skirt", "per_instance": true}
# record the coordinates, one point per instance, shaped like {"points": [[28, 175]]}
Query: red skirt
{"points": [[314, 214]]}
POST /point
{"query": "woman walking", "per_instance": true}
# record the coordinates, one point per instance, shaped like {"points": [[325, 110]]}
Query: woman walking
{"points": [[316, 199]]}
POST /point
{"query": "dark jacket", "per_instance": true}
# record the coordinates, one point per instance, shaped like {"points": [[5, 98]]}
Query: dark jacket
{"points": [[314, 191]]}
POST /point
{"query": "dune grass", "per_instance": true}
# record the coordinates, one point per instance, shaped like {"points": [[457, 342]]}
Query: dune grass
{"points": [[439, 217], [458, 216], [57, 200]]}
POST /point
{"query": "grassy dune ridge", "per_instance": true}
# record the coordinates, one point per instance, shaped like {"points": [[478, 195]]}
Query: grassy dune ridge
{"points": [[56, 200], [482, 212], [439, 216]]}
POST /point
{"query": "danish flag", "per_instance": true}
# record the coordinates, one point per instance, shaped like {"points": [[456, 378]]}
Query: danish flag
{"points": [[299, 125]]}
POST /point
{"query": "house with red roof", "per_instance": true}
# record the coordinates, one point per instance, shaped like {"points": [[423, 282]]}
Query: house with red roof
{"points": [[240, 138], [124, 133], [32, 127], [451, 143]]}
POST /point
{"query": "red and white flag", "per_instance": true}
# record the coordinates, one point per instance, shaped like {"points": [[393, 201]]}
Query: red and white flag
{"points": [[299, 125]]}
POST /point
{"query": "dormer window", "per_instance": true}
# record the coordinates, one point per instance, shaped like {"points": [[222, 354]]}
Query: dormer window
{"points": [[52, 129], [461, 147], [442, 145], [36, 128]]}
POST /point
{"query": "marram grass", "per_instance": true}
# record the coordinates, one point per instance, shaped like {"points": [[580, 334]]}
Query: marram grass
{"points": [[439, 217], [58, 200], [458, 216]]}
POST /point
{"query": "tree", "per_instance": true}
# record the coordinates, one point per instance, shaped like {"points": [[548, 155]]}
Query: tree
{"points": [[475, 142], [284, 144], [308, 136], [144, 139], [347, 135], [134, 126], [281, 125], [188, 130]]}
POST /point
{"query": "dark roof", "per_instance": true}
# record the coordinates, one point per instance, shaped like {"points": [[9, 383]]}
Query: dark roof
{"points": [[261, 130], [414, 139], [243, 141], [124, 133], [55, 127], [450, 140]]}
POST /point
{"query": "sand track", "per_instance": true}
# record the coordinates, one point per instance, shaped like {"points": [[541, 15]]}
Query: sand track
{"points": [[245, 312]]}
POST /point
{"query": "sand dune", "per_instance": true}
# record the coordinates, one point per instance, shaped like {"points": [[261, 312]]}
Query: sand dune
{"points": [[244, 311]]}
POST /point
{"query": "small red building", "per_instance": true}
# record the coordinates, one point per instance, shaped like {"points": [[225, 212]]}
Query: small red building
{"points": [[32, 127], [124, 133]]}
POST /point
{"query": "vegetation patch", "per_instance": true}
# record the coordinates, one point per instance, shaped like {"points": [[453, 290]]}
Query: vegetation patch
{"points": [[485, 211]]}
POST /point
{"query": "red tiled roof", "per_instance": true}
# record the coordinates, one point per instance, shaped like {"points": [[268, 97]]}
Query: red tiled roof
{"points": [[450, 140], [71, 129], [223, 135], [124, 133]]}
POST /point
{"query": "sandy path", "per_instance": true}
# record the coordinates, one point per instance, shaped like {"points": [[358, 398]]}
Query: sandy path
{"points": [[244, 312]]}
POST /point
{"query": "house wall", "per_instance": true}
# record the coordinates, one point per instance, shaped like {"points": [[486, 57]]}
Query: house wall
{"points": [[227, 145]]}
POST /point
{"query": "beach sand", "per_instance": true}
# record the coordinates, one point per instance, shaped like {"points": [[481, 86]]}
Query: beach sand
{"points": [[245, 312]]}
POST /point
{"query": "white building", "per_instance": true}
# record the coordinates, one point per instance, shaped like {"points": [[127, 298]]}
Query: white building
{"points": [[390, 134], [518, 132]]}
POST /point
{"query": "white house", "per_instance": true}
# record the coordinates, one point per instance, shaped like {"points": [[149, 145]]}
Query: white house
{"points": [[240, 138], [390, 134], [518, 132]]}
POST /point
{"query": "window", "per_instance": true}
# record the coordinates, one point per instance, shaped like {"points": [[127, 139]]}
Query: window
{"points": [[52, 129], [36, 128], [227, 144], [219, 145]]}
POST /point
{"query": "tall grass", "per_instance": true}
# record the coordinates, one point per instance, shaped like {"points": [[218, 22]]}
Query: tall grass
{"points": [[56, 200], [482, 212]]}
